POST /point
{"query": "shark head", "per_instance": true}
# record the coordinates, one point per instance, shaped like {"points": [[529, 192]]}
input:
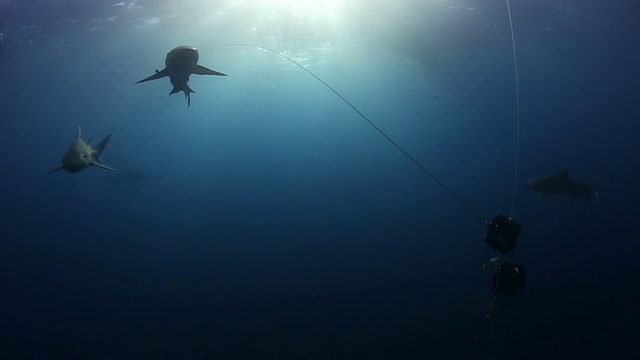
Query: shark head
{"points": [[182, 57], [77, 157], [530, 184]]}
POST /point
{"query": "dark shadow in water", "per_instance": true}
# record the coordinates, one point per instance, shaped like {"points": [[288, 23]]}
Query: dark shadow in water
{"points": [[128, 178]]}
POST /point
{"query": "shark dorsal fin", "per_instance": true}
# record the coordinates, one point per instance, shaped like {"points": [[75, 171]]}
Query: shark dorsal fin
{"points": [[79, 133], [564, 173]]}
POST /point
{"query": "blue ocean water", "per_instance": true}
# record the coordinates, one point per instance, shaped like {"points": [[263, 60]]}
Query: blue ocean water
{"points": [[268, 220]]}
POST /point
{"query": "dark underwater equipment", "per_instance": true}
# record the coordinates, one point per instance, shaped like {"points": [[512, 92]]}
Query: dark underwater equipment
{"points": [[509, 279], [502, 233]]}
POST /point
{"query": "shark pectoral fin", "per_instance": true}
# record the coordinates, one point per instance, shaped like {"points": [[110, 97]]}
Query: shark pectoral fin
{"points": [[54, 170], [156, 76], [203, 70], [103, 166]]}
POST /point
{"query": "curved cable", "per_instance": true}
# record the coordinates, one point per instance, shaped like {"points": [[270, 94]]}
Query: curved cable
{"points": [[517, 160], [432, 176]]}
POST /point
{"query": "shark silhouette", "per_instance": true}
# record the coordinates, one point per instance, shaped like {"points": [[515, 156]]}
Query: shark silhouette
{"points": [[130, 177], [562, 183], [181, 63], [80, 155]]}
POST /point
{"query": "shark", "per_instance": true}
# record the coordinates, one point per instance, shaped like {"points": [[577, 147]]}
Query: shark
{"points": [[181, 63], [81, 155], [130, 177], [562, 183]]}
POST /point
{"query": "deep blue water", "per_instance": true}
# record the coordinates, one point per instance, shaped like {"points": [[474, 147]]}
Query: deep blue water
{"points": [[270, 221]]}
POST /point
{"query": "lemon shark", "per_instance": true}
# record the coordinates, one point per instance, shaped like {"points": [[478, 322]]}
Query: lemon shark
{"points": [[181, 63], [81, 155], [562, 183]]}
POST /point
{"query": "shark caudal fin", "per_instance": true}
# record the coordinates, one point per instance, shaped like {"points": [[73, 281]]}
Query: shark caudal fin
{"points": [[187, 92], [98, 150], [156, 76], [203, 70]]}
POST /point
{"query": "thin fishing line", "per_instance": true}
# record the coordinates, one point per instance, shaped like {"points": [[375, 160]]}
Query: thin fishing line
{"points": [[433, 177], [517, 160], [517, 156]]}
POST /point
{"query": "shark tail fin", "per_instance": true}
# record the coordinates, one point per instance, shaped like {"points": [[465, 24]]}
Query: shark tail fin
{"points": [[157, 75], [203, 70], [187, 92], [98, 150]]}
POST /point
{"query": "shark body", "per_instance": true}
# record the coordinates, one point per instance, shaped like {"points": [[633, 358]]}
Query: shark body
{"points": [[181, 63], [562, 183], [81, 155]]}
